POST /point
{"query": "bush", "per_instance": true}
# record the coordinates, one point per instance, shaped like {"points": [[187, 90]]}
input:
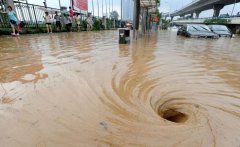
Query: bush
{"points": [[5, 31], [83, 25], [217, 21], [96, 25], [109, 23], [165, 24]]}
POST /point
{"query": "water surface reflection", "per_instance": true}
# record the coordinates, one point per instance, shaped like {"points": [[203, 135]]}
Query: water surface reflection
{"points": [[84, 89]]}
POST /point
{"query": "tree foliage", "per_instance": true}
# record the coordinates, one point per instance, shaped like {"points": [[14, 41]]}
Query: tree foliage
{"points": [[216, 21], [114, 15]]}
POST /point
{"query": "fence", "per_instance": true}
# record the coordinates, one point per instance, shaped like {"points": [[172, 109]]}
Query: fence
{"points": [[31, 14]]}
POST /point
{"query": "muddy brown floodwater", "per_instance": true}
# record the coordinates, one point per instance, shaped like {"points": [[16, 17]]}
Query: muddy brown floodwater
{"points": [[86, 90]]}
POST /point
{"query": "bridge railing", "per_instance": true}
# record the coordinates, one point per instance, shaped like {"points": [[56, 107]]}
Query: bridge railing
{"points": [[31, 14], [220, 17]]}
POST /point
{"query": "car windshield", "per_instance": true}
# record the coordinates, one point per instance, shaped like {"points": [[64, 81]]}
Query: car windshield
{"points": [[198, 28], [219, 28]]}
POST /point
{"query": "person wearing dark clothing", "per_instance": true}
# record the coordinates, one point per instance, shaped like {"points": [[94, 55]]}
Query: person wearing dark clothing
{"points": [[58, 22]]}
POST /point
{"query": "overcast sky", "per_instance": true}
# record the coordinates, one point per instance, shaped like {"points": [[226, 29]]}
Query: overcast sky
{"points": [[166, 6], [172, 5]]}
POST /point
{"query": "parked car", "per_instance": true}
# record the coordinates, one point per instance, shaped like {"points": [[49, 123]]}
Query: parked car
{"points": [[221, 30], [196, 30]]}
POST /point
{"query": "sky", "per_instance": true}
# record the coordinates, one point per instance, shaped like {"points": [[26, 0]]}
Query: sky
{"points": [[166, 6], [172, 5]]}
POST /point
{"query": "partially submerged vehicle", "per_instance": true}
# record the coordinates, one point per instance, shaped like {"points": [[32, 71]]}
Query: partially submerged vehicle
{"points": [[196, 30], [221, 30]]}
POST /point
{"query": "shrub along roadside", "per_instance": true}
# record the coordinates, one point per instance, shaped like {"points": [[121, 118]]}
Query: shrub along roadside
{"points": [[33, 29]]}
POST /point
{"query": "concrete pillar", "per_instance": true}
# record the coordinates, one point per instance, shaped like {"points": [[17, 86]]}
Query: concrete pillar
{"points": [[191, 15], [197, 13], [172, 18], [136, 17], [144, 16], [216, 9]]}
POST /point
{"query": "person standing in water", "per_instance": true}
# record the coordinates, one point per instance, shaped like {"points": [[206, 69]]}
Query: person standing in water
{"points": [[58, 22], [90, 22], [13, 21], [48, 22], [78, 22]]}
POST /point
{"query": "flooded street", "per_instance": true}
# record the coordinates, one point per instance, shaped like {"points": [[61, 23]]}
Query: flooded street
{"points": [[84, 89]]}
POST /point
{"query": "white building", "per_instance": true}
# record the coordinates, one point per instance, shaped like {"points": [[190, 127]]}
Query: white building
{"points": [[128, 10]]}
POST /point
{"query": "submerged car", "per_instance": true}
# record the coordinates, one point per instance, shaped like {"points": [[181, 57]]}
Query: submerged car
{"points": [[196, 30], [221, 30]]}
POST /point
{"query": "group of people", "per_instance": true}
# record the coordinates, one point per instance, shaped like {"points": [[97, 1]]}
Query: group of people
{"points": [[66, 19]]}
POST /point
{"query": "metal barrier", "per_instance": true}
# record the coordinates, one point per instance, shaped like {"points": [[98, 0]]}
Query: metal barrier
{"points": [[31, 14]]}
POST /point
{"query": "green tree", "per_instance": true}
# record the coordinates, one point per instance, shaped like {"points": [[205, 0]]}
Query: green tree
{"points": [[114, 15]]}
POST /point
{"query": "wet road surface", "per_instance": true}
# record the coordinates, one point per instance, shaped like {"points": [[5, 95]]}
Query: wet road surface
{"points": [[84, 89]]}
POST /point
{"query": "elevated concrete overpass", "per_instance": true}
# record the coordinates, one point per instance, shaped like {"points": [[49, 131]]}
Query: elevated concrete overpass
{"points": [[231, 21], [197, 6]]}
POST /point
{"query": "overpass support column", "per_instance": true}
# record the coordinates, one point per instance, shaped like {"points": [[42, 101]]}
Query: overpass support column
{"points": [[172, 18], [191, 15], [216, 9], [197, 13]]}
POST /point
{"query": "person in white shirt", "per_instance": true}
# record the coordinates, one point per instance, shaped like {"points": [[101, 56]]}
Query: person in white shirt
{"points": [[48, 21], [89, 23]]}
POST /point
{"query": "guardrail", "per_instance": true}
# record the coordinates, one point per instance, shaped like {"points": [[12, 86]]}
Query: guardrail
{"points": [[31, 14]]}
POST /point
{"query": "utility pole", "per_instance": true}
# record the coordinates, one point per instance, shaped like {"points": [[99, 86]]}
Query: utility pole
{"points": [[92, 8], [109, 8], [121, 9], [106, 9], [102, 8], [98, 8], [112, 5]]}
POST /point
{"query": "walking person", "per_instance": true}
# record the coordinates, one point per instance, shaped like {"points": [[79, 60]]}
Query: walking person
{"points": [[13, 21], [78, 22], [48, 21], [58, 21]]}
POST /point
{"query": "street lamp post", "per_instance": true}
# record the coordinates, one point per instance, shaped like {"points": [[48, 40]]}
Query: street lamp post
{"points": [[102, 8], [98, 8], [121, 9], [59, 1], [93, 7]]}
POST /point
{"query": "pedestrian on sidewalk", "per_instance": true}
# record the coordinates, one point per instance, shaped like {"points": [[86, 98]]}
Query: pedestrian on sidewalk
{"points": [[13, 21], [58, 22], [48, 21], [78, 22]]}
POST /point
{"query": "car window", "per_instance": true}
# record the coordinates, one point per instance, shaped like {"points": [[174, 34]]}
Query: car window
{"points": [[219, 28], [198, 28]]}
